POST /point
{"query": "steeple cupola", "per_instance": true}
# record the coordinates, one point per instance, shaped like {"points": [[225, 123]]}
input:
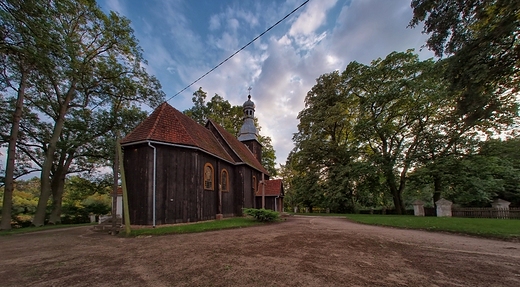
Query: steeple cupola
{"points": [[248, 130], [248, 134]]}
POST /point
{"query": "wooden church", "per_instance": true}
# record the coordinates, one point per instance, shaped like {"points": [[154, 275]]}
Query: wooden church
{"points": [[180, 171]]}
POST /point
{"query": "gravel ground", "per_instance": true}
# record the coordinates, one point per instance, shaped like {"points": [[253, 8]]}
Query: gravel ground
{"points": [[303, 251]]}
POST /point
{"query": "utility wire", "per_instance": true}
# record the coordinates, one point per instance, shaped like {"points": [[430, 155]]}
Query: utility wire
{"points": [[245, 46]]}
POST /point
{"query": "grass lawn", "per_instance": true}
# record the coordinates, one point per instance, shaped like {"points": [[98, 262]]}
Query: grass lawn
{"points": [[235, 222], [46, 227], [485, 227]]}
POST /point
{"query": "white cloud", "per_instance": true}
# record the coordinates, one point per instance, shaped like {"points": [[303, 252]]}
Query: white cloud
{"points": [[233, 24], [214, 22], [313, 17]]}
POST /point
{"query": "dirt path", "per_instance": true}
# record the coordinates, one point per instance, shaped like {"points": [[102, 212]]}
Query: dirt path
{"points": [[304, 251]]}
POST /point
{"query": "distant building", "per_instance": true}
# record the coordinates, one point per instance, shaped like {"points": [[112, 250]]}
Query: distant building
{"points": [[180, 171]]}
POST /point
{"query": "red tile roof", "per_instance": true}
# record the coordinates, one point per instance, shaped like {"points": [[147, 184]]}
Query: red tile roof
{"points": [[273, 187], [166, 124], [240, 149]]}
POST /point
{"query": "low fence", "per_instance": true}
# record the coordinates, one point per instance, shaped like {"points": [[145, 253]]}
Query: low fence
{"points": [[488, 212]]}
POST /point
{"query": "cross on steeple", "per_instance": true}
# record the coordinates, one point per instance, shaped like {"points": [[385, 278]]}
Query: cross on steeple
{"points": [[249, 89]]}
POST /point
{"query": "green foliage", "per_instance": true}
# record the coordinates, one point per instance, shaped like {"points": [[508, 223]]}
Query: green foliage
{"points": [[97, 204], [368, 132], [490, 171], [262, 215], [82, 197], [482, 39], [360, 130], [498, 228]]}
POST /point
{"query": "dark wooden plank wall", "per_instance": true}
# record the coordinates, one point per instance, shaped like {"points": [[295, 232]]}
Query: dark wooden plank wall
{"points": [[208, 198], [180, 195], [247, 187], [228, 198], [175, 180], [238, 188], [138, 164], [269, 202]]}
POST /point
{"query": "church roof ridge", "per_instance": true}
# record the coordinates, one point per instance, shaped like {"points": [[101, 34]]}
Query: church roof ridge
{"points": [[239, 148]]}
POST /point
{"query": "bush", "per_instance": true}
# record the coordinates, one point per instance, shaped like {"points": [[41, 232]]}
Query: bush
{"points": [[262, 215]]}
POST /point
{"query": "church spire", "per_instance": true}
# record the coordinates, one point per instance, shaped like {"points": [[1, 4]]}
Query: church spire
{"points": [[248, 130]]}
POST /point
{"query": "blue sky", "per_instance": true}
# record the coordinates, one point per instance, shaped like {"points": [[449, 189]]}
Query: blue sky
{"points": [[182, 40]]}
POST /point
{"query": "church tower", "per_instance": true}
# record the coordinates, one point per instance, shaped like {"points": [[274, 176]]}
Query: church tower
{"points": [[248, 134]]}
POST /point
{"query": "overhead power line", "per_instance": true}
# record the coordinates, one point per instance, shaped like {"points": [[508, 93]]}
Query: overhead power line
{"points": [[245, 46]]}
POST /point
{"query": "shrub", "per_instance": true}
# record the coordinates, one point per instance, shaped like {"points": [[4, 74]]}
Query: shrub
{"points": [[262, 215]]}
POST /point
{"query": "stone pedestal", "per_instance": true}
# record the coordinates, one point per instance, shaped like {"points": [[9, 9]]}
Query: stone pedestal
{"points": [[500, 204], [443, 207], [418, 208], [219, 216]]}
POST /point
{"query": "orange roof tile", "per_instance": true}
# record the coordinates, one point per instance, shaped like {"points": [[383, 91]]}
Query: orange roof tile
{"points": [[167, 124], [273, 187]]}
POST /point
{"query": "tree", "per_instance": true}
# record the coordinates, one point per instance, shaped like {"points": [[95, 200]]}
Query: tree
{"points": [[368, 119], [23, 37], [93, 71], [398, 96], [230, 118], [325, 145], [482, 39]]}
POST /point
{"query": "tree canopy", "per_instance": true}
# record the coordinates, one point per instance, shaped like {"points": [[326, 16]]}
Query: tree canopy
{"points": [[364, 132], [481, 38], [80, 71]]}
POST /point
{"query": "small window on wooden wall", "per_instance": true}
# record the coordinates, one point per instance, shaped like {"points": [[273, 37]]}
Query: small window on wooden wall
{"points": [[254, 184], [224, 180], [208, 177]]}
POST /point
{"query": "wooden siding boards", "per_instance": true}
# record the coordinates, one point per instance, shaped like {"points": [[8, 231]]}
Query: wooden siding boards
{"points": [[228, 198], [238, 187], [138, 162], [180, 194], [269, 202]]}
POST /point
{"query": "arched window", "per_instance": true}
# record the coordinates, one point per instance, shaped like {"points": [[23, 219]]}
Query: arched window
{"points": [[224, 180], [254, 184], [208, 177]]}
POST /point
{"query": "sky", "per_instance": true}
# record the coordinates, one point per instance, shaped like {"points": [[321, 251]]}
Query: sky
{"points": [[182, 40]]}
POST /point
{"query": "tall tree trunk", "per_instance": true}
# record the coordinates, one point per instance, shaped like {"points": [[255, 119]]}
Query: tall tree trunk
{"points": [[396, 192], [45, 190], [437, 188], [58, 186], [54, 218], [11, 154]]}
